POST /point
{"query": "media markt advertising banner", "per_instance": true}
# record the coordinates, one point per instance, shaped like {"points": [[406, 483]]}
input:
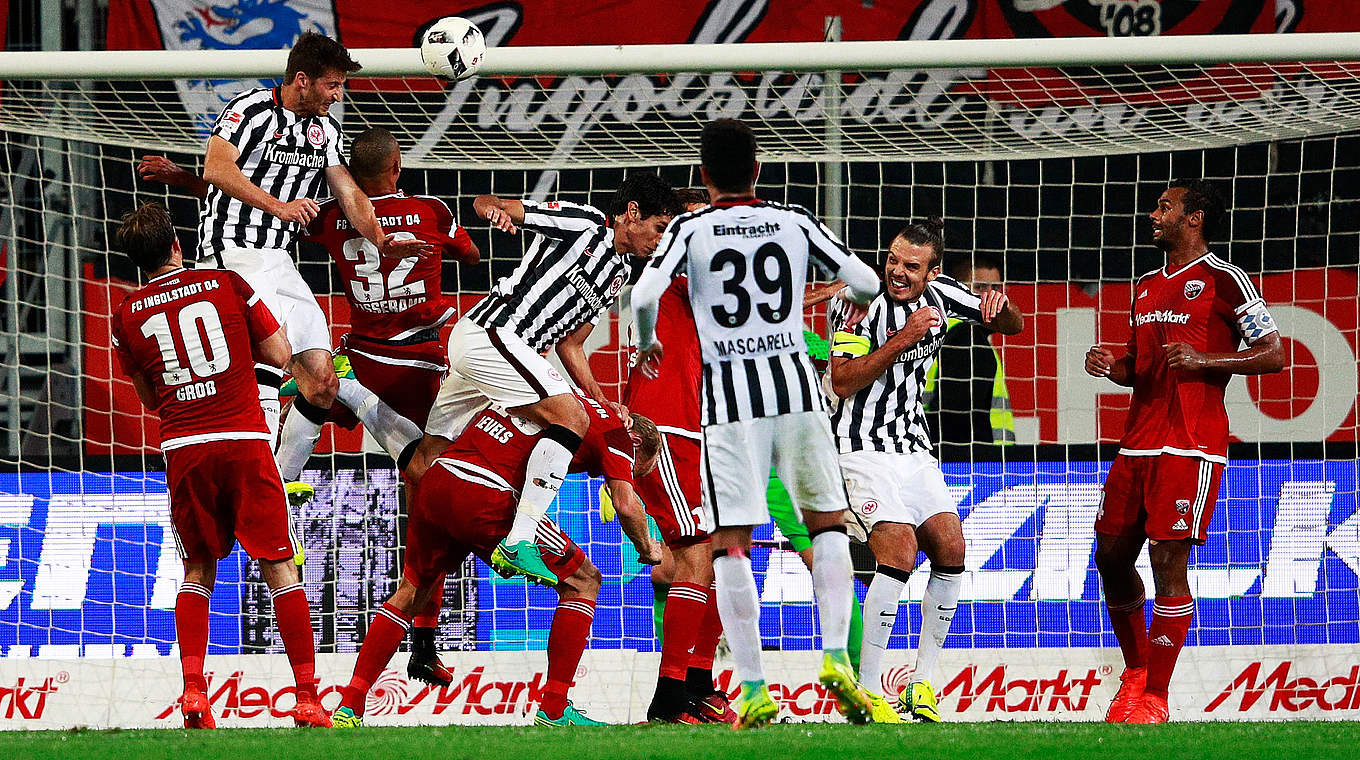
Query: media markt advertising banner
{"points": [[88, 578]]}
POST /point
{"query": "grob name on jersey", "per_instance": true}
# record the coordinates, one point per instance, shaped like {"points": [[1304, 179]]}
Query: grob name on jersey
{"points": [[310, 159], [1165, 316], [761, 344], [156, 299], [764, 229]]}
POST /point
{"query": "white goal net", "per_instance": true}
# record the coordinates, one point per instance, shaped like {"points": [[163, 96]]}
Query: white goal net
{"points": [[1043, 160]]}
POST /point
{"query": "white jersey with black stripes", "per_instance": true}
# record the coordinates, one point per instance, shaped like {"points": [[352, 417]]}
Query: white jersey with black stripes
{"points": [[887, 414], [570, 275], [747, 263]]}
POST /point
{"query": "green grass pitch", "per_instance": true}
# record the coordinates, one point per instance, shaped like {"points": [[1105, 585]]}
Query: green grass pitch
{"points": [[963, 741]]}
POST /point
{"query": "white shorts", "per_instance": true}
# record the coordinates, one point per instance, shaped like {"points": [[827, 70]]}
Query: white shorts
{"points": [[486, 367], [274, 277], [736, 467], [891, 487]]}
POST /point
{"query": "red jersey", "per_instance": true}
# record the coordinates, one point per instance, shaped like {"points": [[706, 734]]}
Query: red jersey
{"points": [[671, 400], [389, 298], [495, 448], [1211, 306], [191, 334]]}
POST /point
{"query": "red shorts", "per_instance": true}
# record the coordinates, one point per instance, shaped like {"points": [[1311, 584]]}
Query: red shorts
{"points": [[452, 518], [222, 492], [1165, 497], [671, 492], [406, 378]]}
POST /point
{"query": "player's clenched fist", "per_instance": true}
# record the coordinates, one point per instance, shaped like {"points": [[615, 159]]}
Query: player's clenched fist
{"points": [[919, 323], [650, 552], [1182, 356], [300, 211], [991, 304], [1099, 361]]}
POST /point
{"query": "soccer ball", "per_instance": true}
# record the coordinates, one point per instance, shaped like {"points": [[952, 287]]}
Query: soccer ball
{"points": [[453, 48]]}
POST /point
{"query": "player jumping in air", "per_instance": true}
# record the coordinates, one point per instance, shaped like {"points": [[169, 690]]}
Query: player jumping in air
{"points": [[897, 492], [268, 156], [188, 340], [747, 262], [1188, 320], [465, 504], [572, 273]]}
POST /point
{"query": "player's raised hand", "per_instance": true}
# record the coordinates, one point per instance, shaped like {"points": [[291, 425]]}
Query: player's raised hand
{"points": [[401, 245], [993, 301], [648, 360], [1183, 357], [300, 211], [919, 323], [1099, 361], [501, 220], [162, 169], [621, 412]]}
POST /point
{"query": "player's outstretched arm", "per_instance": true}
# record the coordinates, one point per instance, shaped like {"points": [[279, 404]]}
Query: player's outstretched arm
{"points": [[633, 520], [358, 210], [221, 171], [505, 214], [1262, 357], [816, 294], [861, 281], [162, 169], [1000, 314], [850, 374], [572, 351]]}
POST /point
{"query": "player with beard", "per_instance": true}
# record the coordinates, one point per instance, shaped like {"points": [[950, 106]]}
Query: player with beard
{"points": [[898, 497], [1189, 320]]}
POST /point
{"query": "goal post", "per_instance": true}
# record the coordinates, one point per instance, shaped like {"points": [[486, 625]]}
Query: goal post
{"points": [[1045, 155]]}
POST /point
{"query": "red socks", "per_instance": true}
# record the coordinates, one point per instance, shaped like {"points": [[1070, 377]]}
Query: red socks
{"points": [[685, 606], [294, 619], [709, 632], [566, 641], [191, 629], [385, 632], [1171, 616], [429, 617], [1130, 628]]}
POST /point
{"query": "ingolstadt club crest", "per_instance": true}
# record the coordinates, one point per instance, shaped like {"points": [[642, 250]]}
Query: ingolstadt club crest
{"points": [[1193, 288]]}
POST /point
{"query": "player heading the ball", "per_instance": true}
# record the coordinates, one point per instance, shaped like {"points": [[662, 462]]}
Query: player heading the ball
{"points": [[269, 155], [1187, 321], [747, 262]]}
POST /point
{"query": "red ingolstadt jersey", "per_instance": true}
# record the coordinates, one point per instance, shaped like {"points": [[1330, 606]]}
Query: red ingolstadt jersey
{"points": [[191, 334], [389, 298], [501, 444], [1211, 306], [671, 400]]}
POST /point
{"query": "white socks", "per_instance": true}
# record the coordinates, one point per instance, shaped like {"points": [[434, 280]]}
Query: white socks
{"points": [[832, 584], [268, 379], [392, 430], [739, 609], [301, 431], [937, 613], [880, 613], [547, 468]]}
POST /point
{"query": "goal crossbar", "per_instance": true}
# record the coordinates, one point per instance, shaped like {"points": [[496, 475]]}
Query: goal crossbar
{"points": [[789, 57]]}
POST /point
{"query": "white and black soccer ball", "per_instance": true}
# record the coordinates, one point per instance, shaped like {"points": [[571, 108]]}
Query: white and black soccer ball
{"points": [[453, 48]]}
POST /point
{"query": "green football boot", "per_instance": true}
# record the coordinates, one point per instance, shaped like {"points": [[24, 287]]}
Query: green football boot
{"points": [[755, 707], [918, 701], [523, 559], [838, 676], [570, 717], [345, 718]]}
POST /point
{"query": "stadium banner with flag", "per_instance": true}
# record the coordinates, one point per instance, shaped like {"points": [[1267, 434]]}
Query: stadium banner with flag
{"points": [[1211, 683]]}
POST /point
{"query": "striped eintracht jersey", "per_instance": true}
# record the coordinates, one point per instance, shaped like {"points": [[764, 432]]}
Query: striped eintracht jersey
{"points": [[747, 263], [570, 275], [283, 154], [887, 414]]}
